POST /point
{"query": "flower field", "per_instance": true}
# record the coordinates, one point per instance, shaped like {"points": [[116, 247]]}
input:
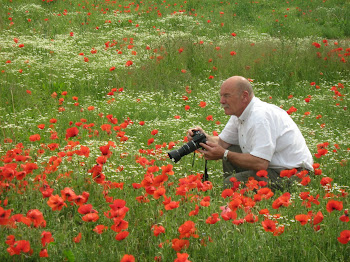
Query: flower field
{"points": [[94, 94]]}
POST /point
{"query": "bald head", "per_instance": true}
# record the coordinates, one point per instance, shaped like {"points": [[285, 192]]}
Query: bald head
{"points": [[235, 94], [240, 84]]}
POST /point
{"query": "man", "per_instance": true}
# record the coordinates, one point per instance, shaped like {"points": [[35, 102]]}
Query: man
{"points": [[258, 136]]}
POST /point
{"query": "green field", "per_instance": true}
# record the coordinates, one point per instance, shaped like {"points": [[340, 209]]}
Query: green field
{"points": [[93, 94]]}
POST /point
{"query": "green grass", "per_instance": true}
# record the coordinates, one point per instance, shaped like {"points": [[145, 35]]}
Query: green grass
{"points": [[274, 46]]}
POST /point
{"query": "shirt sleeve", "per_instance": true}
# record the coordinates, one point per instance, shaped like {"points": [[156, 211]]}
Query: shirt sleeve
{"points": [[263, 140], [230, 133]]}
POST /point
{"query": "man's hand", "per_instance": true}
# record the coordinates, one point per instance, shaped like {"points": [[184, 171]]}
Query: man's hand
{"points": [[213, 151], [190, 132]]}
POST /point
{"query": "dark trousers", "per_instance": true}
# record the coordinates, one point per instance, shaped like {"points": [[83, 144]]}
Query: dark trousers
{"points": [[274, 180]]}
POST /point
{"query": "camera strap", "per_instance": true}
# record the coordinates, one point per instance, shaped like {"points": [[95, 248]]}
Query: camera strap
{"points": [[205, 176]]}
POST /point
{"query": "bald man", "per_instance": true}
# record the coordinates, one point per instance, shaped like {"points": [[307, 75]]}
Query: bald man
{"points": [[258, 136]]}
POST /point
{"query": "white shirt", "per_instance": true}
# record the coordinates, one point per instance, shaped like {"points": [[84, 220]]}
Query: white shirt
{"points": [[268, 132]]}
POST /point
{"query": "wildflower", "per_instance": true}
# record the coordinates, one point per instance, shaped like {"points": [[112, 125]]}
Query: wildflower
{"points": [[43, 253], [344, 237], [202, 104], [77, 239], [20, 246], [72, 132], [269, 225], [157, 230], [182, 257], [99, 229], [56, 202], [46, 237], [261, 173], [128, 258], [303, 219], [334, 205], [213, 219], [179, 244], [187, 229], [90, 217], [122, 235]]}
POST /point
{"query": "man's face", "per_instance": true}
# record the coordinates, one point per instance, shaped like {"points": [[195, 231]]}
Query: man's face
{"points": [[231, 100]]}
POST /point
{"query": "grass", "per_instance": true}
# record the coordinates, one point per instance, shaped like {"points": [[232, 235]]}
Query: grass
{"points": [[180, 53]]}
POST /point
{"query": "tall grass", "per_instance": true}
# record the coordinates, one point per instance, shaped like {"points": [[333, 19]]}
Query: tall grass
{"points": [[295, 53]]}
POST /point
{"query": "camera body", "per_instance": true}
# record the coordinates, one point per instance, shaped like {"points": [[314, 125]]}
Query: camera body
{"points": [[191, 146]]}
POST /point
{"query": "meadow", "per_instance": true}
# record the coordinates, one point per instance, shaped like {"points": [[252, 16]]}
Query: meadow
{"points": [[94, 94]]}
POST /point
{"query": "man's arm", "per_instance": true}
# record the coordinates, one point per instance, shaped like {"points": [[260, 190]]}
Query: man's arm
{"points": [[214, 151]]}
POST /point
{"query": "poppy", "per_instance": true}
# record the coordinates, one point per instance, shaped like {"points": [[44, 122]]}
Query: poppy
{"points": [[99, 229], [56, 202], [344, 237], [36, 217], [18, 247], [318, 218], [179, 244], [119, 224], [303, 219], [213, 219], [90, 217], [269, 225], [43, 253], [194, 212], [157, 230], [202, 104], [72, 132], [334, 205], [261, 173], [46, 237], [251, 218], [182, 257], [122, 235], [187, 229], [128, 258], [77, 239], [68, 194]]}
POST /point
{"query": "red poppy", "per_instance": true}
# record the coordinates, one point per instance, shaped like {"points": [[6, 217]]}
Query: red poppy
{"points": [[269, 225], [318, 218], [202, 104], [68, 194], [194, 212], [182, 257], [157, 230], [251, 218], [302, 218], [179, 244], [56, 202], [72, 132], [46, 237], [128, 258], [43, 253], [334, 205], [36, 217], [344, 237], [213, 219], [261, 173], [35, 137], [20, 246], [77, 239], [90, 217], [187, 229], [154, 132], [122, 235], [128, 63], [99, 229]]}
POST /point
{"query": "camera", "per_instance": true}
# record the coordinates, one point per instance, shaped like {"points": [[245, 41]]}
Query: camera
{"points": [[198, 137]]}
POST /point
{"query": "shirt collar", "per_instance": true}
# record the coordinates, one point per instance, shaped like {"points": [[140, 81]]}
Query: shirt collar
{"points": [[244, 116]]}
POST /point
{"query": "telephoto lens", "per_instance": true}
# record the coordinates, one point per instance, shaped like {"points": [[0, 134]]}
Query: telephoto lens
{"points": [[191, 146]]}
